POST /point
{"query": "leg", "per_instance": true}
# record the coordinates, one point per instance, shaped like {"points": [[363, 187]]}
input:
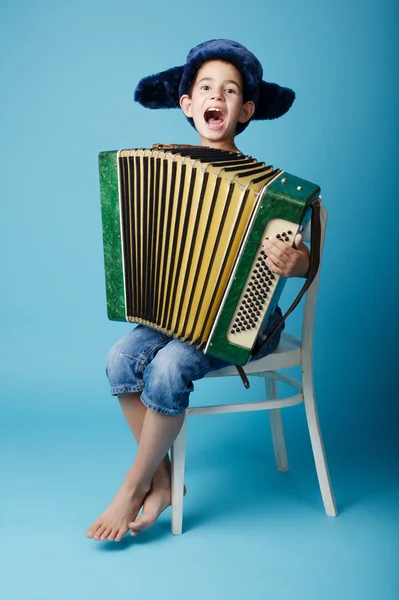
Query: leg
{"points": [[160, 494], [134, 412], [157, 435], [316, 440], [276, 425], [178, 365], [126, 363]]}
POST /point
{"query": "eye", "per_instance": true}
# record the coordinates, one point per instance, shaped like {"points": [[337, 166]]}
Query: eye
{"points": [[230, 90], [205, 87]]}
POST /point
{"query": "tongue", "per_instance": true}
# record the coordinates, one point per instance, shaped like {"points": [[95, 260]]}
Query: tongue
{"points": [[215, 121]]}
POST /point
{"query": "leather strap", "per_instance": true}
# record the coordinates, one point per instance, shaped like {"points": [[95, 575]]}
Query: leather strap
{"points": [[243, 376]]}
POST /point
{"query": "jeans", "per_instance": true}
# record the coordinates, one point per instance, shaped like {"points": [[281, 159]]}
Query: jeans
{"points": [[162, 369]]}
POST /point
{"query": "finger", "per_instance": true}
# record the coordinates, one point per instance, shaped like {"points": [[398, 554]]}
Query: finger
{"points": [[275, 263], [281, 251], [299, 244], [278, 248], [274, 268]]}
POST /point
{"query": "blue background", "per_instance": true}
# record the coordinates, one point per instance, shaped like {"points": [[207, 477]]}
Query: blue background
{"points": [[68, 73]]}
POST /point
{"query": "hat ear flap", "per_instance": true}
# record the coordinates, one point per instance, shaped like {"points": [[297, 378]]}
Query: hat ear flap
{"points": [[160, 90], [274, 101]]}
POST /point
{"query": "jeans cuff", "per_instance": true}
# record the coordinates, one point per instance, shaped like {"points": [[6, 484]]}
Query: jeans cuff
{"points": [[126, 389], [158, 409]]}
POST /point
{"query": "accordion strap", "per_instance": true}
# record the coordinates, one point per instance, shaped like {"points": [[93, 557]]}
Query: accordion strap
{"points": [[243, 376], [315, 239]]}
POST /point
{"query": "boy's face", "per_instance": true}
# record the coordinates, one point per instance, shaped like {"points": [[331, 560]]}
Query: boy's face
{"points": [[216, 104]]}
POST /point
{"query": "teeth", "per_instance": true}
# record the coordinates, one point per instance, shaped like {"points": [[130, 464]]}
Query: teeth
{"points": [[215, 109]]}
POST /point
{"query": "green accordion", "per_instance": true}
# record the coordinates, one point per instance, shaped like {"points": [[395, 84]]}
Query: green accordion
{"points": [[183, 228]]}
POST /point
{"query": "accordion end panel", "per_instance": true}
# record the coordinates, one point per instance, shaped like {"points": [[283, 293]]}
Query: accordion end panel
{"points": [[109, 194], [283, 207]]}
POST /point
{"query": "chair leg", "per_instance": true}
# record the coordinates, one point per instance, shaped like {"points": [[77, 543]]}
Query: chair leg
{"points": [[276, 426], [317, 442], [178, 456]]}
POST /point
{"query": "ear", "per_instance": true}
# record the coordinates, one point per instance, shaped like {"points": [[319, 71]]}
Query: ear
{"points": [[247, 110], [185, 104]]}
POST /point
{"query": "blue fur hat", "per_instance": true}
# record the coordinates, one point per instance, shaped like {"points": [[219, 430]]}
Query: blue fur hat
{"points": [[163, 90]]}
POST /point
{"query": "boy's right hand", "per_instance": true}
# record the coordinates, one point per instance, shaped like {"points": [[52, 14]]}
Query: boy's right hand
{"points": [[286, 260]]}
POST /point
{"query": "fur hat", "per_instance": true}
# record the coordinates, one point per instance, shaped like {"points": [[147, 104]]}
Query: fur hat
{"points": [[163, 90]]}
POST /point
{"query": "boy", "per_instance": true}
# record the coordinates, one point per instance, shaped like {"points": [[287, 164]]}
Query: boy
{"points": [[220, 89]]}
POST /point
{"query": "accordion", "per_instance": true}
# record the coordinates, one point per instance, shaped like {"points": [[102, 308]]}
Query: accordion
{"points": [[182, 231]]}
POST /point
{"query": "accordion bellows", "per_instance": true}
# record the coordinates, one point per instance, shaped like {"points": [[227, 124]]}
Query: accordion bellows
{"points": [[182, 232]]}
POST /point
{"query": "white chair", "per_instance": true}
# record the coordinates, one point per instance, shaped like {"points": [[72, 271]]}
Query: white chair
{"points": [[290, 352]]}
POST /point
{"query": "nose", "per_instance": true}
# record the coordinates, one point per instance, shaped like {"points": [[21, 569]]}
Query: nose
{"points": [[216, 95]]}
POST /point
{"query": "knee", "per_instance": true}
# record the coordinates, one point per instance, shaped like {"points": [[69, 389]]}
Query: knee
{"points": [[124, 361], [115, 363], [171, 369]]}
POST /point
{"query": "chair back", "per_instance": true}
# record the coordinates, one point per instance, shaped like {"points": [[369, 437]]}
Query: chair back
{"points": [[311, 294]]}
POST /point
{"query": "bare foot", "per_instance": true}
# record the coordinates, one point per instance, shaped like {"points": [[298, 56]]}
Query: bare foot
{"points": [[157, 500], [113, 523]]}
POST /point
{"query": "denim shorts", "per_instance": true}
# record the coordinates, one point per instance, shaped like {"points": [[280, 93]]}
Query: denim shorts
{"points": [[162, 369]]}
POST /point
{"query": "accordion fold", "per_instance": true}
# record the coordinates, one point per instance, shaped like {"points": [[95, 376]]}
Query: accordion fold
{"points": [[183, 230]]}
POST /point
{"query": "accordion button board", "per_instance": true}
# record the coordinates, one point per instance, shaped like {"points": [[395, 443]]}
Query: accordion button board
{"points": [[259, 288]]}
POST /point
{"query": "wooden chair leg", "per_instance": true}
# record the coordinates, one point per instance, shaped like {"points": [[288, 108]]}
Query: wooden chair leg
{"points": [[317, 442], [276, 425], [178, 457]]}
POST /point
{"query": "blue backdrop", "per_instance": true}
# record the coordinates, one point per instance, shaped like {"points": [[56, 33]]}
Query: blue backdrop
{"points": [[68, 72]]}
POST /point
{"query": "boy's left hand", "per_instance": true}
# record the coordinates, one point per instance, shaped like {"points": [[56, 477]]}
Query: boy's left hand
{"points": [[284, 260]]}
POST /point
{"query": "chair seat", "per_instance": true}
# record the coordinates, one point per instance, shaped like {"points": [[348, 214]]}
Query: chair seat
{"points": [[287, 354]]}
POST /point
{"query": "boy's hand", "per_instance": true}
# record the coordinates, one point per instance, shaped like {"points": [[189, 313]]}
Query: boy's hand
{"points": [[284, 260]]}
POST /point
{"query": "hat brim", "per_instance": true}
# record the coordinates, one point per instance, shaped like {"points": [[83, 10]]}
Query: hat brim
{"points": [[161, 90]]}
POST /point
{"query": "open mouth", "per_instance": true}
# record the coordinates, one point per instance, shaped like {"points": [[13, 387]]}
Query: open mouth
{"points": [[214, 117]]}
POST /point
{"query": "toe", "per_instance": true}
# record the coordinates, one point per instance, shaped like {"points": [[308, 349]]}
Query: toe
{"points": [[135, 525], [112, 535], [99, 532], [92, 529], [120, 535], [141, 524], [106, 534]]}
